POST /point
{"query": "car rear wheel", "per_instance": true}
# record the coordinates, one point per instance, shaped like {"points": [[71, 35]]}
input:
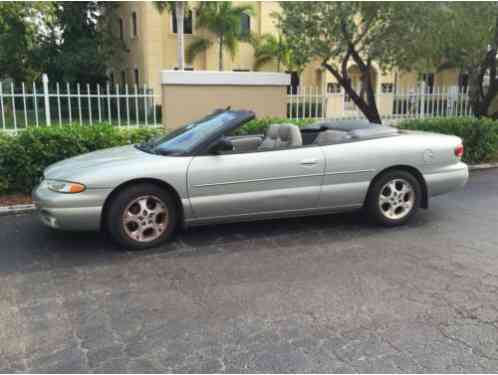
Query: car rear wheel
{"points": [[142, 216], [394, 198]]}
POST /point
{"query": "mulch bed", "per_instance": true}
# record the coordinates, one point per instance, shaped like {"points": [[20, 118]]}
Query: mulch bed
{"points": [[9, 200]]}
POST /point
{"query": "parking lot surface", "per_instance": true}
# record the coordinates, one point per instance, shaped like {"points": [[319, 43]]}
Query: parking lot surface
{"points": [[329, 293]]}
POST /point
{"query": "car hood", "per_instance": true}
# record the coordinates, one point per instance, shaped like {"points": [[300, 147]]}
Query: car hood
{"points": [[103, 158]]}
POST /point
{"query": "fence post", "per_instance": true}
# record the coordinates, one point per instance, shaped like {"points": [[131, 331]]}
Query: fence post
{"points": [[46, 98], [422, 100]]}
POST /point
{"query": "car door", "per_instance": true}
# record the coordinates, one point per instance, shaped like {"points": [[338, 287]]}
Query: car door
{"points": [[349, 170], [254, 183]]}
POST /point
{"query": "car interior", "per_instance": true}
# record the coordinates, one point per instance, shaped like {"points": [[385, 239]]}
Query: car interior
{"points": [[281, 136]]}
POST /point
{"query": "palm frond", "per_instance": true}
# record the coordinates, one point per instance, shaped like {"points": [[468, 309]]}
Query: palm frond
{"points": [[197, 46], [161, 6], [262, 60], [231, 44], [247, 9]]}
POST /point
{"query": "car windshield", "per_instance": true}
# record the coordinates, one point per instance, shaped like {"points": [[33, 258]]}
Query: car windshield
{"points": [[184, 139]]}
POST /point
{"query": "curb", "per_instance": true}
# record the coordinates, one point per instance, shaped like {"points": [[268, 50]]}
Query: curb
{"points": [[477, 167], [28, 208], [17, 209]]}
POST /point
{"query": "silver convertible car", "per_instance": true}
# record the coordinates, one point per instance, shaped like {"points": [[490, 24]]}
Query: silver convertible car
{"points": [[204, 173]]}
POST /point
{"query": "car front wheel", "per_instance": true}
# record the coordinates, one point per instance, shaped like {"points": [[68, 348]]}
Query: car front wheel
{"points": [[142, 216], [394, 198]]}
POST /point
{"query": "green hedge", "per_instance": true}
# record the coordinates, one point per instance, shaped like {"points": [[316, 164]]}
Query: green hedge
{"points": [[24, 156], [259, 126], [480, 136]]}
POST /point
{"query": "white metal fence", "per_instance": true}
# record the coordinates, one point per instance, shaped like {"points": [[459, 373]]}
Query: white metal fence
{"points": [[420, 102], [24, 106]]}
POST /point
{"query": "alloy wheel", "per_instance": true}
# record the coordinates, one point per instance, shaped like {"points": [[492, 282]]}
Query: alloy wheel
{"points": [[396, 199], [145, 218]]}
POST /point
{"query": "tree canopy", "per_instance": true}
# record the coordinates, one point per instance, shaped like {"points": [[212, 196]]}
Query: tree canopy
{"points": [[18, 38], [340, 34], [464, 35], [70, 41]]}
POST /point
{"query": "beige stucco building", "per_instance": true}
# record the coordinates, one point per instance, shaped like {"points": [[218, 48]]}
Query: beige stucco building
{"points": [[151, 47]]}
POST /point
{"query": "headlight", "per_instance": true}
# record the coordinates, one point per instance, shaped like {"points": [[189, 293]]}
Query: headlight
{"points": [[64, 186]]}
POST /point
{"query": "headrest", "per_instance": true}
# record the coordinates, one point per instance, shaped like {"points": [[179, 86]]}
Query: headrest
{"points": [[273, 131], [287, 132]]}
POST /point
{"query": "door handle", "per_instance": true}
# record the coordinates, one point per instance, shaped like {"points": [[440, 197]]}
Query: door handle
{"points": [[309, 161]]}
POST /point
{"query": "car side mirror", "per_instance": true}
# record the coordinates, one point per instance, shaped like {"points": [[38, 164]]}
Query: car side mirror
{"points": [[223, 144]]}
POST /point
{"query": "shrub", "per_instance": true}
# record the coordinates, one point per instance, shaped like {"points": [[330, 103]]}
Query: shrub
{"points": [[480, 136], [259, 126], [23, 157]]}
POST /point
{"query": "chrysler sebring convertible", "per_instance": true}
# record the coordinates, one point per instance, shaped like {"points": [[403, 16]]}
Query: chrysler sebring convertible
{"points": [[206, 172]]}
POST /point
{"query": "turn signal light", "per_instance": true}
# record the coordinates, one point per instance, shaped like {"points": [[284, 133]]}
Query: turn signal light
{"points": [[459, 151]]}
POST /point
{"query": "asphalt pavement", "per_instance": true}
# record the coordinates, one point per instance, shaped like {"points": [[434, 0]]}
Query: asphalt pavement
{"points": [[329, 293]]}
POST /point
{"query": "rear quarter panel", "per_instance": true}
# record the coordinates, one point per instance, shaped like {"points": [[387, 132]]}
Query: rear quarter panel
{"points": [[350, 167]]}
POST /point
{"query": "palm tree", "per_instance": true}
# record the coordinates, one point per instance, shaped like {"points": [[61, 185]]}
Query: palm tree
{"points": [[179, 8], [223, 19], [268, 48]]}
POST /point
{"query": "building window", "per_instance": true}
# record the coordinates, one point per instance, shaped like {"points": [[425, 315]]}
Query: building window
{"points": [[134, 28], [241, 70], [245, 24], [463, 81], [294, 82], [123, 77], [333, 88], [428, 79], [187, 22], [136, 77], [121, 29], [387, 88]]}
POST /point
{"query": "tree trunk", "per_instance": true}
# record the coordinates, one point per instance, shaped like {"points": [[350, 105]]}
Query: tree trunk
{"points": [[474, 92], [479, 99], [220, 56], [180, 36], [370, 91], [369, 107]]}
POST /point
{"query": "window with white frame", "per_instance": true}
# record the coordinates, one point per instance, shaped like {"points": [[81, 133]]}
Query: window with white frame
{"points": [[387, 88], [187, 22], [333, 88]]}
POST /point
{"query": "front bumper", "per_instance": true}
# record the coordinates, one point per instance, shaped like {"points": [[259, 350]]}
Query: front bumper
{"points": [[79, 212]]}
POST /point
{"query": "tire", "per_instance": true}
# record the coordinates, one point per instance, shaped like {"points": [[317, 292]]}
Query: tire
{"points": [[142, 216], [394, 198]]}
